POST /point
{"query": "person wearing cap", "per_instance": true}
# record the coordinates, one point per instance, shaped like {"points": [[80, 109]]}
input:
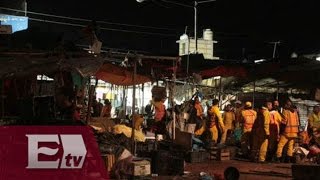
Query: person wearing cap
{"points": [[215, 121], [248, 117]]}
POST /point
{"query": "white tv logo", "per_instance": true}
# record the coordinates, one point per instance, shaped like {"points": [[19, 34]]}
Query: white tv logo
{"points": [[74, 151]]}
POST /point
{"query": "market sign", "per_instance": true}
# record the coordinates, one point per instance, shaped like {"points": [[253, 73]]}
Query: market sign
{"points": [[18, 23]]}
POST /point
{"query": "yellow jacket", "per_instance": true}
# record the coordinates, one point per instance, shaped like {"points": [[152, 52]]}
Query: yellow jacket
{"points": [[215, 112], [249, 116], [266, 120], [228, 119], [314, 120], [276, 119]]}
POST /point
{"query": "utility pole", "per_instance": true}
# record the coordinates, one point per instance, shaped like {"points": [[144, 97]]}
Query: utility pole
{"points": [[195, 26], [274, 48]]}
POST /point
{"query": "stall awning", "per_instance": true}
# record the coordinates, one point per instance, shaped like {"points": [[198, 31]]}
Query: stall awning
{"points": [[119, 76], [224, 71]]}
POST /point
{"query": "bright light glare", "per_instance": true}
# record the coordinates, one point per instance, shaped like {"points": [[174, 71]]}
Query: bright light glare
{"points": [[259, 60], [318, 58]]}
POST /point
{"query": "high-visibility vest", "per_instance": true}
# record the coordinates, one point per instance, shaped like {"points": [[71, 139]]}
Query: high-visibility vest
{"points": [[249, 117], [292, 121]]}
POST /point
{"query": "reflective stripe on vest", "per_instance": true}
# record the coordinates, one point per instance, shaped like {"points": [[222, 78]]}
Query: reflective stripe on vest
{"points": [[292, 122], [249, 118]]}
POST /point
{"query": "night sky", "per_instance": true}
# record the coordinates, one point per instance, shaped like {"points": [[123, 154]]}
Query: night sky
{"points": [[243, 28]]}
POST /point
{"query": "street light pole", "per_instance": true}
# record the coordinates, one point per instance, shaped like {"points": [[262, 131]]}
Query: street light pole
{"points": [[195, 6], [195, 26]]}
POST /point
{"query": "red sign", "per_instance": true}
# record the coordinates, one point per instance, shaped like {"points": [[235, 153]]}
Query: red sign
{"points": [[50, 153]]}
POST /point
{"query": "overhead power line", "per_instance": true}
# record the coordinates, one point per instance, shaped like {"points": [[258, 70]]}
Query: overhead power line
{"points": [[87, 20], [103, 28]]}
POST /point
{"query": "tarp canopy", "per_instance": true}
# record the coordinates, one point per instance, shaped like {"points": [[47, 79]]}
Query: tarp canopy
{"points": [[22, 64], [119, 75], [224, 71]]}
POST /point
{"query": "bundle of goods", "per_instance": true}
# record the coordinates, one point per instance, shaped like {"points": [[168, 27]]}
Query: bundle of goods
{"points": [[158, 93]]}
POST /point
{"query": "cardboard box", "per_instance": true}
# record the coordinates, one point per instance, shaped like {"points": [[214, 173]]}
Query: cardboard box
{"points": [[141, 168]]}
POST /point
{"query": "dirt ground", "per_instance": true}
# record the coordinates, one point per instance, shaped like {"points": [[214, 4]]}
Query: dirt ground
{"points": [[248, 170]]}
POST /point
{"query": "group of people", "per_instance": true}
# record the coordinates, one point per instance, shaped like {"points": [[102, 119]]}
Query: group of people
{"points": [[264, 132]]}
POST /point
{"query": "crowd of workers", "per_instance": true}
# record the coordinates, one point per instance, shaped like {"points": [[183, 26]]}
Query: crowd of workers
{"points": [[263, 133]]}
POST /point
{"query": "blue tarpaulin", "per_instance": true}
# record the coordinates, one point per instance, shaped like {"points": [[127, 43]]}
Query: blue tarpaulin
{"points": [[18, 23]]}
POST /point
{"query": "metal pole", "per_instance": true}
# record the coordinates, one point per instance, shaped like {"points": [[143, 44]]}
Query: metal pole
{"points": [[195, 26], [254, 91], [124, 101], [25, 8], [277, 90], [220, 91], [173, 104], [142, 89], [2, 99], [133, 150]]}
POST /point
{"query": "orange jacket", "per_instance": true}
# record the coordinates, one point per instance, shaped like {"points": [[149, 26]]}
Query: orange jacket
{"points": [[292, 122], [199, 109], [249, 116]]}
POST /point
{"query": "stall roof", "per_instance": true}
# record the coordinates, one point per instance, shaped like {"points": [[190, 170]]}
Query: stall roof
{"points": [[20, 64]]}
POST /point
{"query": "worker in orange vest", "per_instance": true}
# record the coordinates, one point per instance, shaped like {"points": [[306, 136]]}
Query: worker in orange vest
{"points": [[247, 119], [290, 128]]}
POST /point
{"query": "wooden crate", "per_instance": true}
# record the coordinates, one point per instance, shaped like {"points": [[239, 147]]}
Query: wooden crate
{"points": [[109, 160], [141, 168], [219, 154]]}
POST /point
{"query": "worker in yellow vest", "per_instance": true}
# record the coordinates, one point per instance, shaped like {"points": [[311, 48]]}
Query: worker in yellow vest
{"points": [[215, 121], [275, 120], [314, 119], [266, 131], [229, 121], [290, 130], [247, 119]]}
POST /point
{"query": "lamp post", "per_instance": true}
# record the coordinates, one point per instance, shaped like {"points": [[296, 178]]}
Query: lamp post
{"points": [[195, 7]]}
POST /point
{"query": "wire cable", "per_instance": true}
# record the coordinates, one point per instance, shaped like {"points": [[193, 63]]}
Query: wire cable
{"points": [[87, 20], [103, 28]]}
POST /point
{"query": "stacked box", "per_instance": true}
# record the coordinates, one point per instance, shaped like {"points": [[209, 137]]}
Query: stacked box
{"points": [[141, 168], [219, 154]]}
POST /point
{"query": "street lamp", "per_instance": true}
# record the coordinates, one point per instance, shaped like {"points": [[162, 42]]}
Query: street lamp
{"points": [[195, 6]]}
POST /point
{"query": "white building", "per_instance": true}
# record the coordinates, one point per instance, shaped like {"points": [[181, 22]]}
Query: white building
{"points": [[205, 45]]}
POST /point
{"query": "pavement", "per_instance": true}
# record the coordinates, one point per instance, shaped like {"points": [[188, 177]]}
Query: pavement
{"points": [[248, 170]]}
